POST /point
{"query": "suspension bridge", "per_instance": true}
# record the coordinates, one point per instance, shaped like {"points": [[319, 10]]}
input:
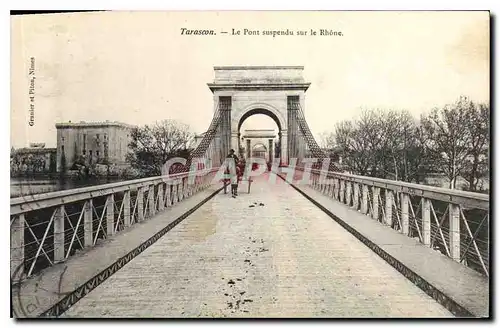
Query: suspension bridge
{"points": [[307, 241]]}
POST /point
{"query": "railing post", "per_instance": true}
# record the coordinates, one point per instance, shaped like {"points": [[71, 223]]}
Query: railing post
{"points": [[110, 216], [426, 221], [87, 223], [140, 204], [356, 196], [405, 223], [175, 192], [364, 199], [151, 200], [202, 182], [161, 199], [126, 208], [186, 188], [17, 247], [330, 188], [197, 183], [336, 189], [388, 207], [59, 235], [454, 234], [342, 191], [168, 192], [348, 193], [180, 190], [376, 195], [194, 186]]}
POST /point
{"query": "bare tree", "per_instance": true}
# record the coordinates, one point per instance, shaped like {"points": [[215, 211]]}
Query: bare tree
{"points": [[385, 144], [476, 166], [392, 144], [404, 147], [359, 141], [327, 140], [389, 147], [152, 145], [418, 160], [449, 138]]}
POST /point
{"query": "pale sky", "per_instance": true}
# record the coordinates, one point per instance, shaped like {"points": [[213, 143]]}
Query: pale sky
{"points": [[136, 67]]}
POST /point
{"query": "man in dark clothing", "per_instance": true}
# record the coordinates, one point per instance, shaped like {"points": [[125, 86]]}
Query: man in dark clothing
{"points": [[234, 179], [233, 156]]}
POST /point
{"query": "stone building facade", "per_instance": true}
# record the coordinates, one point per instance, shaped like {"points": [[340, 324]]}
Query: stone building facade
{"points": [[94, 142]]}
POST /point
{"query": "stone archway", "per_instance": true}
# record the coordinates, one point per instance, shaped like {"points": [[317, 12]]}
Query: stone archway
{"points": [[259, 150], [242, 91], [263, 109]]}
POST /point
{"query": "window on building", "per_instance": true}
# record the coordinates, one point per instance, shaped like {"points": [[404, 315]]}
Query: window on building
{"points": [[97, 153], [90, 156], [84, 151], [105, 136], [97, 136]]}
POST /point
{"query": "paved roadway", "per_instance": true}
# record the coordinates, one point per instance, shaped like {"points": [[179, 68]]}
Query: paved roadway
{"points": [[285, 258]]}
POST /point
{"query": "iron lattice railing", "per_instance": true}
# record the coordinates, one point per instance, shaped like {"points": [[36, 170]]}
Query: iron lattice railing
{"points": [[49, 228], [453, 222]]}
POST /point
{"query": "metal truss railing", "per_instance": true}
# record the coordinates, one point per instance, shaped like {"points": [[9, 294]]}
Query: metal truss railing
{"points": [[453, 222], [49, 228]]}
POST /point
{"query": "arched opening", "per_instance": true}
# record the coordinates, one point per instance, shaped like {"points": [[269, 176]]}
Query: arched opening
{"points": [[259, 132], [259, 150], [261, 111]]}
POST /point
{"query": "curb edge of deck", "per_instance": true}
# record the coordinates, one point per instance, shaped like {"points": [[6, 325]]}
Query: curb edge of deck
{"points": [[443, 299], [80, 292]]}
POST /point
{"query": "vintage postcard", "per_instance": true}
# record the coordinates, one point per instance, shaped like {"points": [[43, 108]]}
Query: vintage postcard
{"points": [[258, 164]]}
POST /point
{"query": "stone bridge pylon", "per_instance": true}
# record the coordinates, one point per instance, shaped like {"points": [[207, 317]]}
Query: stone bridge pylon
{"points": [[242, 91]]}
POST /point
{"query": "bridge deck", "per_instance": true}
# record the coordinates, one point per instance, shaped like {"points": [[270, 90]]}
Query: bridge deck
{"points": [[283, 259]]}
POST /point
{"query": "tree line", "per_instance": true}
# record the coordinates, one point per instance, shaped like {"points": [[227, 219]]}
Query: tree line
{"points": [[153, 144], [451, 141]]}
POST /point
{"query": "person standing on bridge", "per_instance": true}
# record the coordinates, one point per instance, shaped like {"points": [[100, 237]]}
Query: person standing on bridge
{"points": [[233, 177]]}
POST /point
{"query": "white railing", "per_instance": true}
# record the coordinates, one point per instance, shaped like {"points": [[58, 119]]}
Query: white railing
{"points": [[48, 228], [452, 221]]}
